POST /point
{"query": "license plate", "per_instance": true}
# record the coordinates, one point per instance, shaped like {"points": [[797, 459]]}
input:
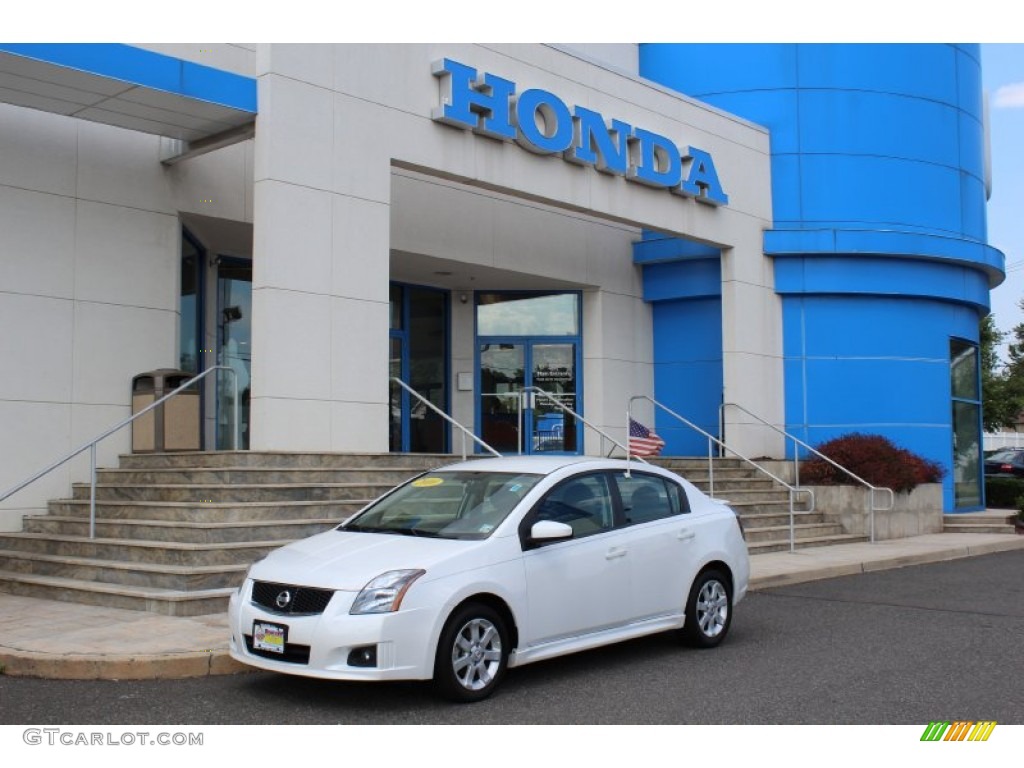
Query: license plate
{"points": [[269, 637]]}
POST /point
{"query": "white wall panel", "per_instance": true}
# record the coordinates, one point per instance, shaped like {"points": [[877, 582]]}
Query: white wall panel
{"points": [[37, 243]]}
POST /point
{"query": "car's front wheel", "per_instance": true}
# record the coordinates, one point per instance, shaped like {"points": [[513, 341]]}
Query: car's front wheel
{"points": [[472, 654], [708, 610]]}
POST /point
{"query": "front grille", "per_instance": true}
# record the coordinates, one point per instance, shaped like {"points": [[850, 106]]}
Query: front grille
{"points": [[293, 654], [301, 600]]}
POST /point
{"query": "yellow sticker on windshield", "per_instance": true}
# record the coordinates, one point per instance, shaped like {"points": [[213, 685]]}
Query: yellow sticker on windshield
{"points": [[427, 482]]}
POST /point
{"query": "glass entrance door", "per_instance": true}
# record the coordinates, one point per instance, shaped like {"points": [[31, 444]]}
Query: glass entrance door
{"points": [[515, 421], [553, 369]]}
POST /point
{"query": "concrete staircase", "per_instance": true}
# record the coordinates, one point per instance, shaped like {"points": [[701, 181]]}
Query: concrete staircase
{"points": [[763, 505], [989, 521], [176, 532]]}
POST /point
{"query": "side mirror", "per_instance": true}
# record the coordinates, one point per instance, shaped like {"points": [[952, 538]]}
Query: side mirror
{"points": [[550, 530]]}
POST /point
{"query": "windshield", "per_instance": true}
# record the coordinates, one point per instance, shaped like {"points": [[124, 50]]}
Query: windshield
{"points": [[446, 505]]}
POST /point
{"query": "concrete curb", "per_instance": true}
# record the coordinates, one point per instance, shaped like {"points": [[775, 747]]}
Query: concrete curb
{"points": [[21, 663], [801, 575]]}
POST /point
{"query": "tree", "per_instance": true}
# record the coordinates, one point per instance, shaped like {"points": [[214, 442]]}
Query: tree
{"points": [[1002, 386]]}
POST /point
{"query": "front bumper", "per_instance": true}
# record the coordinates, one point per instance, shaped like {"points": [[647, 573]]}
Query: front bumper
{"points": [[404, 640]]}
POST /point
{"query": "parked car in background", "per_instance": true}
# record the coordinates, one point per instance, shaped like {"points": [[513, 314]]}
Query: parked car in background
{"points": [[1006, 462], [466, 571]]}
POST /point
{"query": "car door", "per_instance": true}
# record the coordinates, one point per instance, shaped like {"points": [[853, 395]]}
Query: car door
{"points": [[580, 585], [661, 536]]}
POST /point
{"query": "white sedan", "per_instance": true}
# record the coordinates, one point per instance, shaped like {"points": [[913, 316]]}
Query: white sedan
{"points": [[468, 570]]}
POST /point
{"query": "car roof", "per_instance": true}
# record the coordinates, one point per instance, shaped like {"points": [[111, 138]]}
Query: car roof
{"points": [[540, 465]]}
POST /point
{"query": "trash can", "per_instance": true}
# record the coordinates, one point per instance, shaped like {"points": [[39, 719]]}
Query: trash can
{"points": [[173, 426]]}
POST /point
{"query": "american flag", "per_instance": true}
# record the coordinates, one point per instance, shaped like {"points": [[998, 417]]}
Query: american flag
{"points": [[643, 441]]}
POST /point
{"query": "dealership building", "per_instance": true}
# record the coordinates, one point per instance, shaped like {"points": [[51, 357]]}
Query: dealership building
{"points": [[751, 234]]}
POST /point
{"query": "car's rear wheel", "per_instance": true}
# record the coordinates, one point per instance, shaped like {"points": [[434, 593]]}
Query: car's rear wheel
{"points": [[472, 654], [708, 610]]}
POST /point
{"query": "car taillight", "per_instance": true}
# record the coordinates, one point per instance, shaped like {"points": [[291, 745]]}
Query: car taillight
{"points": [[1006, 467]]}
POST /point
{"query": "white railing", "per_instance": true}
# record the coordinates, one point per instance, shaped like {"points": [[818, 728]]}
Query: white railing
{"points": [[872, 490], [714, 441], [465, 432], [91, 445]]}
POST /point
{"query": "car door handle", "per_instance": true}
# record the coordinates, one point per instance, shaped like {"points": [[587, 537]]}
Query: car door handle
{"points": [[685, 534], [615, 552]]}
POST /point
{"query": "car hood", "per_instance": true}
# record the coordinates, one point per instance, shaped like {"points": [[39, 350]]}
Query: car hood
{"points": [[347, 560]]}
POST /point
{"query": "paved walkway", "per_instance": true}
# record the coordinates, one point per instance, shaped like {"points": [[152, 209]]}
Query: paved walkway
{"points": [[44, 638]]}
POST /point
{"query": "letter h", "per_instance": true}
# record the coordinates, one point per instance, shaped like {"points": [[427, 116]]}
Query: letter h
{"points": [[483, 107]]}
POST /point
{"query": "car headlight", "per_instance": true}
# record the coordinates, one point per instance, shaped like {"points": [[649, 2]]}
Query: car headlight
{"points": [[384, 594]]}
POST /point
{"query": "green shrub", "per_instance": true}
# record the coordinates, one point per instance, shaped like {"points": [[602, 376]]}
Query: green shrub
{"points": [[874, 458], [1003, 492]]}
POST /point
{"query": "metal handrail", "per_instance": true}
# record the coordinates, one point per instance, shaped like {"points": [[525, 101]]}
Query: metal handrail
{"points": [[447, 418], [91, 445], [793, 491], [872, 489], [558, 404]]}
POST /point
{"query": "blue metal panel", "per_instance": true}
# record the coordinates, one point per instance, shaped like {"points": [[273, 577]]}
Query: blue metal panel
{"points": [[921, 71], [886, 276], [884, 192], [682, 279], [147, 69], [833, 121], [688, 330], [688, 370], [780, 242], [655, 248], [703, 69]]}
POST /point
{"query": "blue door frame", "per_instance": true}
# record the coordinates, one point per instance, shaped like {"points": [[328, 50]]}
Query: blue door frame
{"points": [[529, 423]]}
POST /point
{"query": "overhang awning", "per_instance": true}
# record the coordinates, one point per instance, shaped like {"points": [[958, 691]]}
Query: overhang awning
{"points": [[128, 87]]}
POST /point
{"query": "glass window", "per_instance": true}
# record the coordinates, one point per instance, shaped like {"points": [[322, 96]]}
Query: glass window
{"points": [[190, 305], [428, 361], [964, 365], [964, 376], [533, 314], [582, 503], [646, 498]]}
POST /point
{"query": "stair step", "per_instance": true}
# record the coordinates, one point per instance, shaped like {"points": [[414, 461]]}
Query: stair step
{"points": [[389, 476], [214, 459], [764, 547], [175, 577], [800, 530], [187, 532], [216, 512], [977, 528], [166, 552], [168, 602], [234, 493]]}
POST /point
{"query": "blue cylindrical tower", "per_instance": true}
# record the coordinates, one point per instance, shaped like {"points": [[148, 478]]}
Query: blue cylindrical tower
{"points": [[879, 233]]}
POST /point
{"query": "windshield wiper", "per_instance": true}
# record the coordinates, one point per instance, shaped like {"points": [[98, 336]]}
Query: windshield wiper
{"points": [[397, 531]]}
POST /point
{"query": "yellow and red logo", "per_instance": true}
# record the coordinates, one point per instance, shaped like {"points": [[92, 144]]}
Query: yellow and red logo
{"points": [[959, 730]]}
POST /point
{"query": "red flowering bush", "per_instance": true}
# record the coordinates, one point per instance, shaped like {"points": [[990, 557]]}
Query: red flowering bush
{"points": [[875, 459]]}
